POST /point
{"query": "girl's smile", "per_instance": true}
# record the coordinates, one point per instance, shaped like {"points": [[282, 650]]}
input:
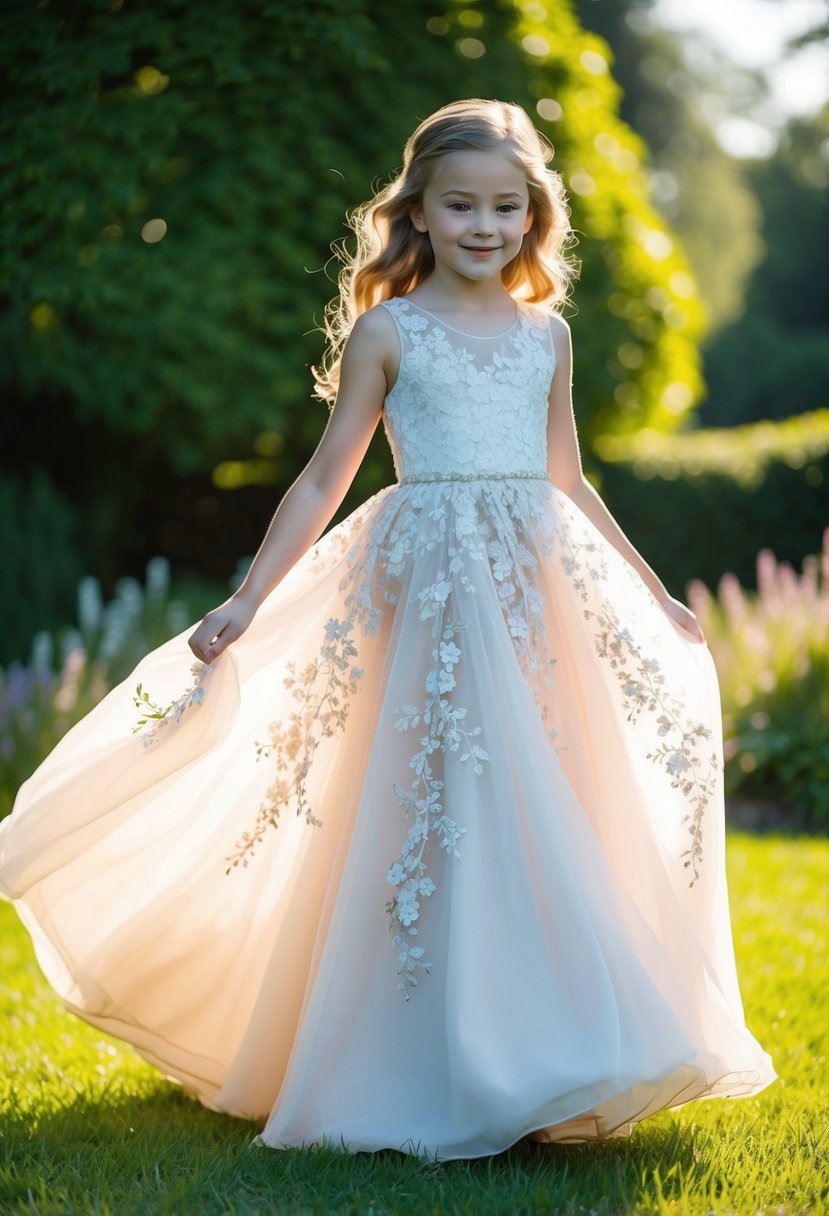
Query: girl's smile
{"points": [[476, 212]]}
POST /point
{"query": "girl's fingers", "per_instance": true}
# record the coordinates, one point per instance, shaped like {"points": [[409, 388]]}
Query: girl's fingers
{"points": [[216, 632], [201, 641], [215, 648]]}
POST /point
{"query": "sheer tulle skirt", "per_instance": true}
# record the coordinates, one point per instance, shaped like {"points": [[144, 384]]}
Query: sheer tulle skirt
{"points": [[462, 714]]}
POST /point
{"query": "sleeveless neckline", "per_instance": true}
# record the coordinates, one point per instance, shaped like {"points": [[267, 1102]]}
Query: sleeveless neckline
{"points": [[460, 406], [463, 332]]}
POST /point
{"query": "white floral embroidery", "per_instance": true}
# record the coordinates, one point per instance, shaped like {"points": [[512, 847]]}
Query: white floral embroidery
{"points": [[514, 571], [474, 524], [155, 717], [446, 731], [694, 769], [323, 691], [463, 404]]}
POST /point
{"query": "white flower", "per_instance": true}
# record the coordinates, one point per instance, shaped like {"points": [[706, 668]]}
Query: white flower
{"points": [[465, 523], [433, 598], [440, 681], [408, 906], [535, 601], [677, 763], [449, 654]]}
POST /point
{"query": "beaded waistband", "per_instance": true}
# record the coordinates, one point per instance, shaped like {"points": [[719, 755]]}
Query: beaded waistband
{"points": [[436, 477]]}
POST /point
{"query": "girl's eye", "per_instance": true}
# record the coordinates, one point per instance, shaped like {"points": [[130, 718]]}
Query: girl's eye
{"points": [[503, 208]]}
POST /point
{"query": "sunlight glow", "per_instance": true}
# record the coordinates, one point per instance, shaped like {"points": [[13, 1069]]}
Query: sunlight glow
{"points": [[150, 80], [535, 45], [154, 231], [549, 109], [471, 48]]}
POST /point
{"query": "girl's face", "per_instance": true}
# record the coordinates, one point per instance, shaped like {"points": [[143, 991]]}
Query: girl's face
{"points": [[476, 210]]}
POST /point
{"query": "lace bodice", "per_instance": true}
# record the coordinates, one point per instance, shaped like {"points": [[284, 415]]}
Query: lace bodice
{"points": [[469, 405]]}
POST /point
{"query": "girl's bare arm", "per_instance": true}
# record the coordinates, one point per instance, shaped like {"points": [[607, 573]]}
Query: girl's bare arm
{"points": [[310, 503], [565, 468]]}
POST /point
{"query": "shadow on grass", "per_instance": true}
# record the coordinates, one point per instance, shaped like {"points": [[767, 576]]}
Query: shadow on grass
{"points": [[160, 1151]]}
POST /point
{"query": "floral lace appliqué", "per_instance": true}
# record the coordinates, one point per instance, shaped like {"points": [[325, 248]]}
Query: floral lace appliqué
{"points": [[325, 687], [463, 403], [446, 731], [154, 718], [476, 526], [323, 692], [682, 751]]}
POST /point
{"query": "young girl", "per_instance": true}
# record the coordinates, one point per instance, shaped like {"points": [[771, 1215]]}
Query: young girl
{"points": [[430, 853]]}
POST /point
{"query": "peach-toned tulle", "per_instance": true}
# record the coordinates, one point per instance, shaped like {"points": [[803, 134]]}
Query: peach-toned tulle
{"points": [[578, 981]]}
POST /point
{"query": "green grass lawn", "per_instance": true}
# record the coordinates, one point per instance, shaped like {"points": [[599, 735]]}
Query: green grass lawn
{"points": [[87, 1127]]}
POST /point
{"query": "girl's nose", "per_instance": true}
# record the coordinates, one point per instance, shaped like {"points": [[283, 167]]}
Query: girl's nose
{"points": [[483, 225]]}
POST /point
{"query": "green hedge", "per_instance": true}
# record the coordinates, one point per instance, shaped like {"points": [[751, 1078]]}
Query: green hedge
{"points": [[705, 502], [43, 560]]}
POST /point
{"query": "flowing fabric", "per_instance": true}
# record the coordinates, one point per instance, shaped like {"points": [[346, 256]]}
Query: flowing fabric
{"points": [[432, 858]]}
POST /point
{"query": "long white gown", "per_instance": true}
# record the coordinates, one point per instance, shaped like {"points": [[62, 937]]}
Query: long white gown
{"points": [[432, 858]]}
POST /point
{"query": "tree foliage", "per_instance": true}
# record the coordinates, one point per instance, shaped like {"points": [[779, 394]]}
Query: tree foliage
{"points": [[669, 86], [775, 357], [754, 230]]}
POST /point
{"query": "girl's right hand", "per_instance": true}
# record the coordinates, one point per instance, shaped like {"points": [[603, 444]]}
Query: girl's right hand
{"points": [[221, 627]]}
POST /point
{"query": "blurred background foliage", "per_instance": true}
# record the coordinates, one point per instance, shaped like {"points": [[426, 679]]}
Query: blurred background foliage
{"points": [[755, 230], [707, 501], [171, 187]]}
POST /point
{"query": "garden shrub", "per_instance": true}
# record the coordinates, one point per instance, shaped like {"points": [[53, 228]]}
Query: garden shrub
{"points": [[71, 669], [42, 560], [771, 649], [700, 503]]}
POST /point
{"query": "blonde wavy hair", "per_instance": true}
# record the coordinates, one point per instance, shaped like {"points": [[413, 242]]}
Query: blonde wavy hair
{"points": [[392, 257]]}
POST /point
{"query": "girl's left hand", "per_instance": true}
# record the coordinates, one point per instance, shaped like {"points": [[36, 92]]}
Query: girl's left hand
{"points": [[221, 627], [684, 617]]}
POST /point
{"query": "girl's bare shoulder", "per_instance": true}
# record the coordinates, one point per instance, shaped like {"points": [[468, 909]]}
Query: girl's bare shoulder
{"points": [[560, 334], [375, 325], [558, 325], [547, 315], [373, 343]]}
